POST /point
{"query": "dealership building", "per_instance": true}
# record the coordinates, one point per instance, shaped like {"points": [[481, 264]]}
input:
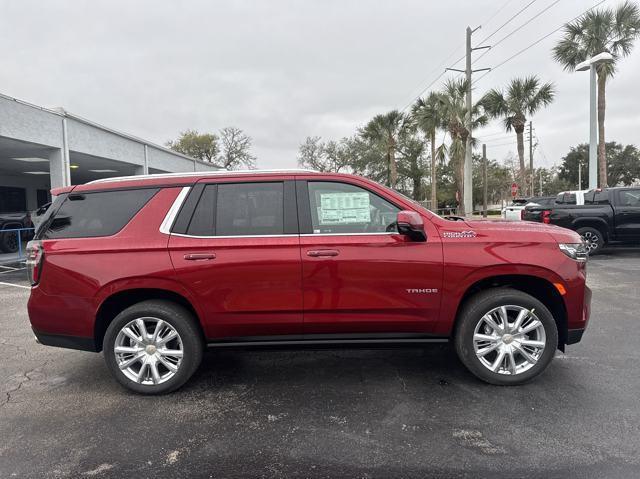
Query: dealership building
{"points": [[44, 148]]}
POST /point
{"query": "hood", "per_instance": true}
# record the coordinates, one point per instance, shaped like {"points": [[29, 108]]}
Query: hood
{"points": [[526, 228]]}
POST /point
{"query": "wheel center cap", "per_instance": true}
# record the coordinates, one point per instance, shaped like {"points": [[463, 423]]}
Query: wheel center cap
{"points": [[150, 349], [507, 339]]}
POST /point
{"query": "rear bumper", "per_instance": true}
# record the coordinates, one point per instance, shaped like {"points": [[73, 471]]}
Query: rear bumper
{"points": [[69, 342]]}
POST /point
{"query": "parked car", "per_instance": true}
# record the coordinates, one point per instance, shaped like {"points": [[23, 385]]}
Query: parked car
{"points": [[152, 269], [608, 215], [14, 221], [515, 211], [534, 208], [512, 212], [574, 197]]}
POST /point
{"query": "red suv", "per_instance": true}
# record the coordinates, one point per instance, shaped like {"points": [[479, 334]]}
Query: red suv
{"points": [[152, 269]]}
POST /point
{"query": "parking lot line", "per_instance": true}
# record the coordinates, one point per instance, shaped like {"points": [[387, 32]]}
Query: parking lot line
{"points": [[16, 285], [12, 270]]}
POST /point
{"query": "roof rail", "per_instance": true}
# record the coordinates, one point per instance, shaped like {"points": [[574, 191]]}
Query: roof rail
{"points": [[199, 174]]}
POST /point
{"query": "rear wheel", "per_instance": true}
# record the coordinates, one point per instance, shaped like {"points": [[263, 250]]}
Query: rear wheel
{"points": [[593, 238], [153, 347], [9, 242], [505, 336]]}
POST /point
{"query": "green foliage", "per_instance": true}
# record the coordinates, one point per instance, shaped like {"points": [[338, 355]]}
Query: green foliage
{"points": [[229, 150], [383, 130], [623, 165], [196, 145], [523, 97], [597, 31]]}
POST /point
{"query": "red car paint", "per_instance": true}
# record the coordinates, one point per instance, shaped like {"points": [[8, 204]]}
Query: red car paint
{"points": [[294, 285]]}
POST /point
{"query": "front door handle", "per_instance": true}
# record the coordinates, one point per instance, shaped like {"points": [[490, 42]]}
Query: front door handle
{"points": [[323, 252], [199, 256]]}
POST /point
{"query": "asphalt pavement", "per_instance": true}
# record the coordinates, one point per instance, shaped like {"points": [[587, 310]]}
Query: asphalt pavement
{"points": [[331, 413]]}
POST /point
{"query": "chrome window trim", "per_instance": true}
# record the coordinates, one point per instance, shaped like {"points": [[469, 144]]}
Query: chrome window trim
{"points": [[352, 234], [236, 236], [170, 217], [283, 235]]}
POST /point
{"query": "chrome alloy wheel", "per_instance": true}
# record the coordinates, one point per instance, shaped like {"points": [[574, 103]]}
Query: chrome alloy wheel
{"points": [[590, 240], [509, 339], [148, 351]]}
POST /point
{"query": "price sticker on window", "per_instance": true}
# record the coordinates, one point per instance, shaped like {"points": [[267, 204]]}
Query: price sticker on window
{"points": [[344, 208]]}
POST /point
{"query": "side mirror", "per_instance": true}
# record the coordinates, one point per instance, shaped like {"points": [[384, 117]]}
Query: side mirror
{"points": [[410, 224]]}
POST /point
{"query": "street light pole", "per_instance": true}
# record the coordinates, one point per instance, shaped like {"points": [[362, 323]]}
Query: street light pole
{"points": [[591, 64], [593, 131]]}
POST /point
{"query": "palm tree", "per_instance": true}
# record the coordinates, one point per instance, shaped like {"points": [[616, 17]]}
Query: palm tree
{"points": [[427, 116], [604, 30], [523, 97], [385, 129], [454, 119]]}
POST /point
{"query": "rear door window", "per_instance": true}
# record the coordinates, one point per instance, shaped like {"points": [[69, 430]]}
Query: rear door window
{"points": [[240, 209], [87, 215]]}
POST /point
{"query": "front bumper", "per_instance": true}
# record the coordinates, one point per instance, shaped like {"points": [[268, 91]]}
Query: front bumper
{"points": [[574, 336], [576, 330]]}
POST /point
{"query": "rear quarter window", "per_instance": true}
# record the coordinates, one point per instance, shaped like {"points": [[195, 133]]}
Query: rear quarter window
{"points": [[88, 215]]}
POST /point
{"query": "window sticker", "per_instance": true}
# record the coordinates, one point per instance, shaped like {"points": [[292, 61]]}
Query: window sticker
{"points": [[344, 208]]}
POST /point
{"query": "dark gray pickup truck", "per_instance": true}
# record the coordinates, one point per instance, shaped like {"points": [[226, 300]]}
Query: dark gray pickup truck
{"points": [[608, 215], [11, 222]]}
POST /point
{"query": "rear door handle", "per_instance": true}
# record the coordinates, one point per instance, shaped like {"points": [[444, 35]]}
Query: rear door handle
{"points": [[323, 252], [199, 256]]}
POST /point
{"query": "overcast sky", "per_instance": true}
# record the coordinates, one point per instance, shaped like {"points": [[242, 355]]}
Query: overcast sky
{"points": [[283, 70]]}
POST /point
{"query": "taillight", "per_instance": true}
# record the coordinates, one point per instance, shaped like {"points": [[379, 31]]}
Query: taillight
{"points": [[522, 214], [35, 255], [546, 217]]}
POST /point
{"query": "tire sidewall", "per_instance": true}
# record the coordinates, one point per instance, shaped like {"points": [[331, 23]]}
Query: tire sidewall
{"points": [[181, 320], [482, 304]]}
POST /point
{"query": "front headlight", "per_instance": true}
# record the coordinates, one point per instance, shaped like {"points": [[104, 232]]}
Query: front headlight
{"points": [[577, 251]]}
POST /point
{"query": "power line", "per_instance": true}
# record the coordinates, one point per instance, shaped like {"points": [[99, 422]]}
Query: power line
{"points": [[497, 133], [414, 98], [539, 40], [553, 4], [513, 17], [497, 12]]}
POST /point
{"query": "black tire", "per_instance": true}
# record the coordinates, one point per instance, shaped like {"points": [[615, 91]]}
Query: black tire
{"points": [[470, 316], [9, 242], [179, 319], [593, 238]]}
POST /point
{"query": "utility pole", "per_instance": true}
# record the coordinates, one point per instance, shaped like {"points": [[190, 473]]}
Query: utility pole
{"points": [[531, 156], [579, 176], [541, 182], [467, 180], [484, 181]]}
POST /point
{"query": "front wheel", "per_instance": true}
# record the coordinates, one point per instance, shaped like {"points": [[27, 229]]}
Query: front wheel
{"points": [[153, 347], [505, 337]]}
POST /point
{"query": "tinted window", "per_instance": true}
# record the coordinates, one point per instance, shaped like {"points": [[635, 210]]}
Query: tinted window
{"points": [[343, 208], [630, 197], [202, 221], [588, 197], [250, 209], [94, 214]]}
